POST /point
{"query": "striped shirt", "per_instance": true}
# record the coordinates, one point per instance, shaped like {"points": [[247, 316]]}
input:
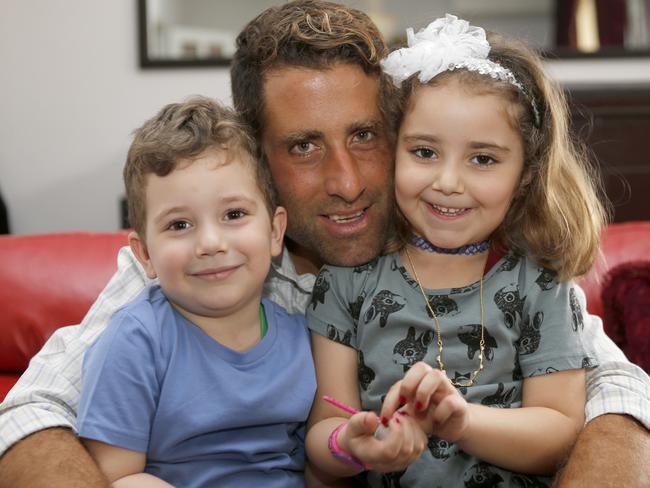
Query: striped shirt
{"points": [[47, 394]]}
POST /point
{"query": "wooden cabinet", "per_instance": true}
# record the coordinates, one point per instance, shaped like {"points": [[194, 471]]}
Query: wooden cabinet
{"points": [[615, 123]]}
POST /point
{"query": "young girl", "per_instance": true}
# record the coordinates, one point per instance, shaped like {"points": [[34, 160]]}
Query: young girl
{"points": [[471, 325]]}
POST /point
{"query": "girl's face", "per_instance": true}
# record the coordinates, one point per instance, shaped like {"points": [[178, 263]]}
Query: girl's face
{"points": [[458, 165]]}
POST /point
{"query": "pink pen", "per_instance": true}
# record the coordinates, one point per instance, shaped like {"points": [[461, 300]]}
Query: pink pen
{"points": [[380, 433], [340, 405]]}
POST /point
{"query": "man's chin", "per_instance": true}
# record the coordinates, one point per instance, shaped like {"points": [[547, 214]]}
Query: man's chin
{"points": [[350, 253]]}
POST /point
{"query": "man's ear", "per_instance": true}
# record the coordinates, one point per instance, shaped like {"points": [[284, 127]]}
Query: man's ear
{"points": [[140, 251], [278, 226]]}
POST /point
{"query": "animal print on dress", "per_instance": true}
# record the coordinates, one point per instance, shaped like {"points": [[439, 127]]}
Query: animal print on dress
{"points": [[440, 448], [530, 336], [462, 378], [576, 311], [383, 304], [588, 362], [500, 398], [546, 279], [392, 480], [362, 268], [442, 305], [355, 308], [320, 288], [470, 335], [527, 481], [481, 475], [509, 263], [365, 373], [410, 350], [338, 335], [507, 300]]}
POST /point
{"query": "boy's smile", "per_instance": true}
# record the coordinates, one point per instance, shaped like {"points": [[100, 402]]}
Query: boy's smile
{"points": [[209, 237]]}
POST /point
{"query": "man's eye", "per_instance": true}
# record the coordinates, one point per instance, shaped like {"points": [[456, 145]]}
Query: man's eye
{"points": [[179, 225], [303, 148], [364, 136], [424, 153], [235, 214], [483, 160]]}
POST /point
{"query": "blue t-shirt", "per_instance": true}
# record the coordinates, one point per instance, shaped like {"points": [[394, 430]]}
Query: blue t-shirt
{"points": [[205, 415]]}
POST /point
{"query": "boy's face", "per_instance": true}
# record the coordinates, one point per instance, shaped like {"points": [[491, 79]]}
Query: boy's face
{"points": [[209, 236]]}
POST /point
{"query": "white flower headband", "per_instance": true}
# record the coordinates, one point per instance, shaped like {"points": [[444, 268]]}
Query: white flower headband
{"points": [[447, 44]]}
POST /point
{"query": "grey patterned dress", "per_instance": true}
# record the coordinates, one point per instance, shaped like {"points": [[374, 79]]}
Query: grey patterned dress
{"points": [[533, 326]]}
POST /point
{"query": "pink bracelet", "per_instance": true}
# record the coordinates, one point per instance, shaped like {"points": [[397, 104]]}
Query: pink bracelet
{"points": [[342, 455]]}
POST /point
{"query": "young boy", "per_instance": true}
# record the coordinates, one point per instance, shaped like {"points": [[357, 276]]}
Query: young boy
{"points": [[199, 381]]}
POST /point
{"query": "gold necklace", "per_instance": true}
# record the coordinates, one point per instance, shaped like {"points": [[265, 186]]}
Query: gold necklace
{"points": [[441, 365]]}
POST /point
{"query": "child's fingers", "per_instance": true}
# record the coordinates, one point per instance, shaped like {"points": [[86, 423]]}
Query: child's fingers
{"points": [[361, 424], [449, 418], [411, 381], [391, 402], [433, 386]]}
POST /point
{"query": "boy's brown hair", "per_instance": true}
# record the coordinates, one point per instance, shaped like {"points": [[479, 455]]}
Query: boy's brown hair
{"points": [[178, 134]]}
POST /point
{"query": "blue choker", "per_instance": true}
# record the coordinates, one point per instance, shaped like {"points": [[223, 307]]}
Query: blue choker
{"points": [[468, 250]]}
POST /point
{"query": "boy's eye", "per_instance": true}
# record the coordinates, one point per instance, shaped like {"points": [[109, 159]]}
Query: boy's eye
{"points": [[179, 225], [483, 160], [424, 153], [235, 214]]}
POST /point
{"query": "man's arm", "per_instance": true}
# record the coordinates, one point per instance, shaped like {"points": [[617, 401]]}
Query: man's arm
{"points": [[612, 450], [49, 459]]}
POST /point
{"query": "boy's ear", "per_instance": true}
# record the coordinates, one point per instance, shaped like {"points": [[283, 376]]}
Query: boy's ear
{"points": [[278, 226], [140, 251]]}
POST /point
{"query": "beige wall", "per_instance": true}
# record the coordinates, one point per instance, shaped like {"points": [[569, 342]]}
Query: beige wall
{"points": [[71, 92]]}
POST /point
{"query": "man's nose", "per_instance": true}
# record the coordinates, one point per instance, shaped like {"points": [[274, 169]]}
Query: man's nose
{"points": [[342, 175], [448, 178], [210, 241]]}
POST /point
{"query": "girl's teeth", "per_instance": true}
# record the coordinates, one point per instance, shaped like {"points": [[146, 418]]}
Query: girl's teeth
{"points": [[447, 210]]}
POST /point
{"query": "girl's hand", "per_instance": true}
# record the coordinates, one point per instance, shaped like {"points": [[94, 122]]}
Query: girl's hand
{"points": [[427, 395], [384, 448]]}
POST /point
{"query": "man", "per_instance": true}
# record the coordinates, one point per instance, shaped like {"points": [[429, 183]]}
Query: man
{"points": [[306, 77]]}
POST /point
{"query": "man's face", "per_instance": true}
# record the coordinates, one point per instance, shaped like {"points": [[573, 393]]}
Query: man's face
{"points": [[330, 160]]}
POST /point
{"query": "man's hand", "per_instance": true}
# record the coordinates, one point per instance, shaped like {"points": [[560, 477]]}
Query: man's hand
{"points": [[612, 450], [50, 458]]}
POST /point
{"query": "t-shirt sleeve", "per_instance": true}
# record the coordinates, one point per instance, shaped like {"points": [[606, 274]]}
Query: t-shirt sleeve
{"points": [[119, 385], [553, 336], [334, 307]]}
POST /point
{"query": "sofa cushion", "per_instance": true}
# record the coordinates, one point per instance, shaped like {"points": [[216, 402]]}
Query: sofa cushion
{"points": [[626, 298], [48, 281]]}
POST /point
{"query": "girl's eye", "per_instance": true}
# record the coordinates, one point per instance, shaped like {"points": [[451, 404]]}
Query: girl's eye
{"points": [[483, 160], [235, 214], [424, 153], [179, 225]]}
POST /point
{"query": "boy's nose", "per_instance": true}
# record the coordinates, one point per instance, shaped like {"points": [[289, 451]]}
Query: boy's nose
{"points": [[210, 242]]}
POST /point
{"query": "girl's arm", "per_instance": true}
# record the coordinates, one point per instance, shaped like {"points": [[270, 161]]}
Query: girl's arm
{"points": [[123, 467], [336, 375], [535, 438], [532, 439]]}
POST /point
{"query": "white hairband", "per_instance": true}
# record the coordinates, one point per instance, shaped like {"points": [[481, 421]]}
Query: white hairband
{"points": [[447, 44]]}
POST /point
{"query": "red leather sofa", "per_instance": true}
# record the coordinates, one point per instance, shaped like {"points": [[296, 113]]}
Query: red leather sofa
{"points": [[49, 281]]}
